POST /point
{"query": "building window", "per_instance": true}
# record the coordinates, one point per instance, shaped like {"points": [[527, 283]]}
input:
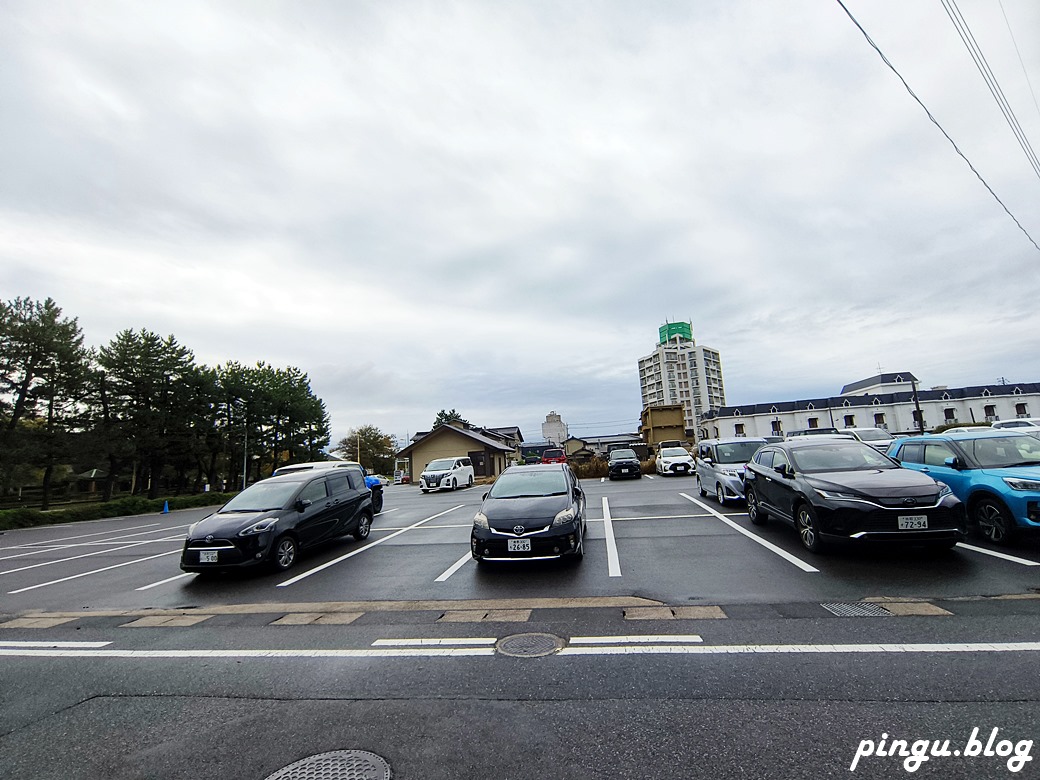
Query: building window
{"points": [[778, 428], [814, 422], [950, 415], [990, 411], [850, 421], [738, 429], [879, 420], [1021, 410]]}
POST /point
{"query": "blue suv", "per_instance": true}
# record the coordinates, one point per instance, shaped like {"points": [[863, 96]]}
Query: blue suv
{"points": [[995, 473]]}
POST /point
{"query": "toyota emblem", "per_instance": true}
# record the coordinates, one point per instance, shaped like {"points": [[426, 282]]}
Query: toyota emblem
{"points": [[209, 538], [910, 502], [518, 529]]}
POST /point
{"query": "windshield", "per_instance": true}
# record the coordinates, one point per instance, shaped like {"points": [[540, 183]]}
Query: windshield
{"points": [[738, 452], [875, 434], [623, 454], [525, 484], [840, 456], [1002, 451], [673, 452], [553, 454], [262, 496], [444, 464]]}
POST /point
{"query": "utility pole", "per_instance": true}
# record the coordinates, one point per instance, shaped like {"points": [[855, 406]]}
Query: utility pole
{"points": [[917, 406]]}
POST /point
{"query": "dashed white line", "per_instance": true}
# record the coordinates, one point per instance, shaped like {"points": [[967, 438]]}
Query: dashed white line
{"points": [[768, 545]]}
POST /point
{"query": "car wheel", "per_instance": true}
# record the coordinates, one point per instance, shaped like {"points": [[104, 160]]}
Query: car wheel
{"points": [[364, 527], [720, 494], [755, 512], [453, 485], [700, 488], [470, 483], [994, 521], [423, 490], [377, 502], [283, 556], [808, 529], [579, 552]]}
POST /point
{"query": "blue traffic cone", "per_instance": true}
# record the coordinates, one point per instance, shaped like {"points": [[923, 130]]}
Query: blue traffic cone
{"points": [[166, 507]]}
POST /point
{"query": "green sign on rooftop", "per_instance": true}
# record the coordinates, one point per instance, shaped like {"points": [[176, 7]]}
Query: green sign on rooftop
{"points": [[670, 330]]}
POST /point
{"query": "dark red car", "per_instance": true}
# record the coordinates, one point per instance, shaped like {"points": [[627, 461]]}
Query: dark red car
{"points": [[554, 456]]}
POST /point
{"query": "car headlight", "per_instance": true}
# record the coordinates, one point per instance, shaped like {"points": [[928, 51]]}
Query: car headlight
{"points": [[835, 495], [1022, 484], [564, 517], [480, 521], [944, 489], [259, 528]]}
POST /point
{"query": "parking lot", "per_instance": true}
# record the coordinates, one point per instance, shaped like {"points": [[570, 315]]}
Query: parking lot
{"points": [[653, 538]]}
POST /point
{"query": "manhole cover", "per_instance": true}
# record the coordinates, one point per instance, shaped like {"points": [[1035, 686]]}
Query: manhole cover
{"points": [[857, 610], [529, 645], [337, 765]]}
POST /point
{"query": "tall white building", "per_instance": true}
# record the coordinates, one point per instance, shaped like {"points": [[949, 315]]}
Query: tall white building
{"points": [[554, 429], [679, 371]]}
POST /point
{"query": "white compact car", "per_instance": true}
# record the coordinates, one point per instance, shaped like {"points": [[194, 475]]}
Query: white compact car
{"points": [[674, 461], [446, 474]]}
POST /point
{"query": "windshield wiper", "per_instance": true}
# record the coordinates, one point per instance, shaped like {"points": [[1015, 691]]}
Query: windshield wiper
{"points": [[1023, 463]]}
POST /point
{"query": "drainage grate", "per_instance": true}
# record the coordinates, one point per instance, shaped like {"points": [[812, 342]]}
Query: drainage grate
{"points": [[337, 765], [857, 610], [529, 645]]}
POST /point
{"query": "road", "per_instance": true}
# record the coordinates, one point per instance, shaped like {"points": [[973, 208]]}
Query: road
{"points": [[689, 643]]}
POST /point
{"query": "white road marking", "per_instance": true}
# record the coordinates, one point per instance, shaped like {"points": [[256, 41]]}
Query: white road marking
{"points": [[168, 579], [995, 554], [634, 639], [408, 649], [479, 640], [613, 563], [95, 571], [56, 644], [88, 555], [768, 545], [454, 567], [80, 536], [369, 546]]}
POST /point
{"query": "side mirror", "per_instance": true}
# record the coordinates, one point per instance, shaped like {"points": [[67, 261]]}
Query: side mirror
{"points": [[784, 471], [302, 503], [707, 459], [954, 463]]}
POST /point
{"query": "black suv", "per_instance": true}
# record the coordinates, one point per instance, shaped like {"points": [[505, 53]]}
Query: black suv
{"points": [[842, 489], [269, 522], [624, 463]]}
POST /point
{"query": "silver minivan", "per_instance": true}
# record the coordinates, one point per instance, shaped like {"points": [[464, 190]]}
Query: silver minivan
{"points": [[720, 466]]}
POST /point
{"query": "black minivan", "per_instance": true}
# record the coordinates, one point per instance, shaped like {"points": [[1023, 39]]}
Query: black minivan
{"points": [[268, 523]]}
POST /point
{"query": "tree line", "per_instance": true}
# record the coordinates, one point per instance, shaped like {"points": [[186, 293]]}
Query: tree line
{"points": [[138, 414]]}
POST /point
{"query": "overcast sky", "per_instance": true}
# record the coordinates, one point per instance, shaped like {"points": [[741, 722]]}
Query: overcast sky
{"points": [[493, 206]]}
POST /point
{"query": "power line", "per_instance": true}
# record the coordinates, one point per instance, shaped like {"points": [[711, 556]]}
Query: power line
{"points": [[936, 122], [990, 78], [1020, 60]]}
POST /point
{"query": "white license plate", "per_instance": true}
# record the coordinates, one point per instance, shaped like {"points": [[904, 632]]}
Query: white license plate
{"points": [[207, 556], [625, 471], [913, 522], [518, 545]]}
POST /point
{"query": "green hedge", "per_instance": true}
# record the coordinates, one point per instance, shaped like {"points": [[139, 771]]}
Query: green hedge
{"points": [[134, 505]]}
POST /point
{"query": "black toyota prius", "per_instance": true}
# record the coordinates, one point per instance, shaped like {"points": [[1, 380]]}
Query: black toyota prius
{"points": [[531, 513]]}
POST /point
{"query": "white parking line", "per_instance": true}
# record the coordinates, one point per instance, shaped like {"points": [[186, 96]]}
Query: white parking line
{"points": [[168, 579], [454, 567], [768, 545], [95, 571], [995, 554], [89, 555], [95, 645], [370, 545], [613, 563], [80, 536]]}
